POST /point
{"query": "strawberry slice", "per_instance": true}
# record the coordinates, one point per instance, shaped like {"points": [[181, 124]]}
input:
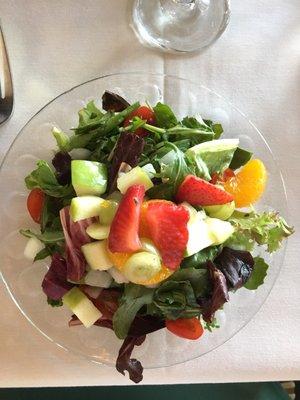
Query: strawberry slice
{"points": [[123, 235], [199, 192], [167, 225]]}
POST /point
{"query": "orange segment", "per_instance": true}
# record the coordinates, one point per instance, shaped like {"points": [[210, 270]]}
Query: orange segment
{"points": [[119, 260], [248, 184]]}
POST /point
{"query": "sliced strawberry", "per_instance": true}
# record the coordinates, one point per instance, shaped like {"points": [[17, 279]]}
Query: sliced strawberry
{"points": [[198, 192], [123, 235], [167, 224]]}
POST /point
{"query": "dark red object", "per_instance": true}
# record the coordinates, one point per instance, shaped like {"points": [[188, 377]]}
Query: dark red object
{"points": [[144, 113], [167, 224], [35, 203], [199, 192], [55, 283], [123, 236], [227, 174], [187, 328]]}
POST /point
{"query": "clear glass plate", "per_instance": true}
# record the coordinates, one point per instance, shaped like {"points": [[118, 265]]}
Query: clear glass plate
{"points": [[23, 279]]}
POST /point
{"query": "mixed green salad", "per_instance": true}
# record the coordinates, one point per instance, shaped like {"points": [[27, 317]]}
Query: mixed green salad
{"points": [[149, 222]]}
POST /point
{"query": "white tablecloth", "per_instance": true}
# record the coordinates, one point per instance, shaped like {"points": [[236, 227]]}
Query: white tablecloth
{"points": [[54, 45]]}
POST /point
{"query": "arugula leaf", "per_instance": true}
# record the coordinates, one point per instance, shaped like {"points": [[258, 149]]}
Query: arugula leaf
{"points": [[42, 254], [175, 299], [240, 158], [192, 122], [211, 325], [133, 299], [199, 259], [89, 112], [44, 178], [54, 303], [215, 127], [163, 191], [165, 118], [105, 123], [268, 229], [258, 274], [46, 237]]}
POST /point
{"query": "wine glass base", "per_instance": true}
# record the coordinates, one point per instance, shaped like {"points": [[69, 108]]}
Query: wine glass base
{"points": [[177, 26]]}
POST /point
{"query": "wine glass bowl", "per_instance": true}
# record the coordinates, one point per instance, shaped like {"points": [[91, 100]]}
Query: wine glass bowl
{"points": [[180, 26]]}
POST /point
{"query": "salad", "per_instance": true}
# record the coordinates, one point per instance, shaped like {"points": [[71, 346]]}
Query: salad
{"points": [[149, 222]]}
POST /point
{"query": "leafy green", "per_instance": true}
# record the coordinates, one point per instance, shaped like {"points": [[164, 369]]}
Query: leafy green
{"points": [[192, 122], [46, 237], [198, 278], [89, 112], [43, 177], [267, 228], [133, 299], [104, 123], [54, 303], [165, 118], [42, 254], [240, 158], [174, 299], [211, 325], [62, 139], [199, 259], [258, 274], [163, 191]]}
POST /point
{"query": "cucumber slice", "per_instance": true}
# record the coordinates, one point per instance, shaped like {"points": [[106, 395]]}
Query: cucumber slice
{"points": [[81, 306], [108, 211], [98, 231], [98, 278], [134, 177], [223, 211], [33, 246], [88, 177], [96, 255], [142, 266], [85, 207], [220, 230]]}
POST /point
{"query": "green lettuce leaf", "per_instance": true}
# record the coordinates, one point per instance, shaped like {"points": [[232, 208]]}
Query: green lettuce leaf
{"points": [[133, 299], [62, 139], [198, 278], [165, 118], [44, 178], [46, 237], [199, 259], [258, 274], [265, 229]]}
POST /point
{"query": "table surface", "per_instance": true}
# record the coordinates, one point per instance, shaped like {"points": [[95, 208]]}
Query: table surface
{"points": [[54, 45]]}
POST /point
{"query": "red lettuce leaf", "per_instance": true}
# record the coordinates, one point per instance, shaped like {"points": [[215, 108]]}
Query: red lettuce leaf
{"points": [[113, 102], [132, 365], [75, 237], [128, 150], [236, 265], [218, 296], [62, 164], [55, 283]]}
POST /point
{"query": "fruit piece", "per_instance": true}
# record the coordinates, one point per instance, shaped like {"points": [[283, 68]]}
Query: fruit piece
{"points": [[35, 203], [123, 236], [200, 235], [98, 231], [33, 246], [249, 183], [148, 246], [117, 276], [199, 192], [227, 174], [187, 328], [141, 267], [96, 255], [119, 260], [85, 207], [216, 154], [81, 306], [219, 230], [134, 177], [144, 113], [108, 211], [149, 169], [98, 278], [223, 211], [88, 177], [167, 224]]}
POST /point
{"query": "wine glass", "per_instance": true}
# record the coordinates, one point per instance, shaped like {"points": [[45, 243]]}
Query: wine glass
{"points": [[180, 26]]}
